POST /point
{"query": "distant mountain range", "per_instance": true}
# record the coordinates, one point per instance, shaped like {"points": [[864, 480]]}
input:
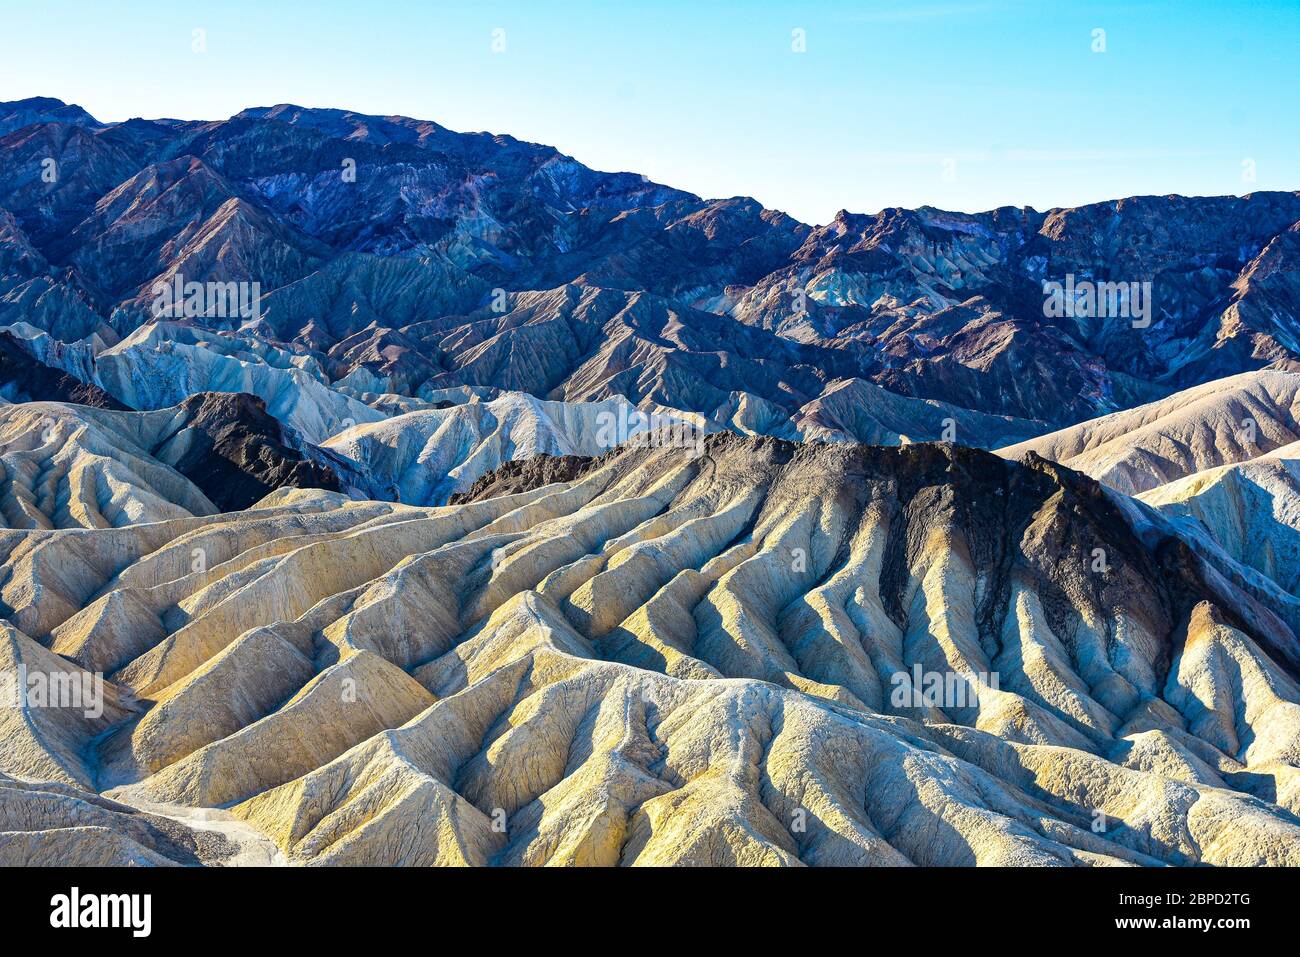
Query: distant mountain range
{"points": [[400, 256]]}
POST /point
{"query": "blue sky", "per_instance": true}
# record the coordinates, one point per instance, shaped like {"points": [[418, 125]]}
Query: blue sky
{"points": [[963, 105]]}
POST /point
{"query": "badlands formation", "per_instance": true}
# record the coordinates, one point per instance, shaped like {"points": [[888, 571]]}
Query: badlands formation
{"points": [[522, 513], [72, 466], [659, 658], [1219, 423], [422, 448]]}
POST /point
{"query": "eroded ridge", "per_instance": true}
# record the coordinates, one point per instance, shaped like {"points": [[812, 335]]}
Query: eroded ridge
{"points": [[676, 658]]}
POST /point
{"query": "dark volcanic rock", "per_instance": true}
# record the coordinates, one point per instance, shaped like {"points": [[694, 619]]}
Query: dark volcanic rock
{"points": [[23, 378], [523, 475], [236, 452]]}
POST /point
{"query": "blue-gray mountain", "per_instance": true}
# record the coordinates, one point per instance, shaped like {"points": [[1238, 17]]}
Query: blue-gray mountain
{"points": [[413, 257]]}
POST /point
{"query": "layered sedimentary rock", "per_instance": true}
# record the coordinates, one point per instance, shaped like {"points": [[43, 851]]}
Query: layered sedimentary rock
{"points": [[67, 465], [1251, 509], [855, 410], [23, 378], [162, 364], [369, 576], [421, 448], [424, 457], [233, 449], [666, 657], [47, 824], [1220, 423]]}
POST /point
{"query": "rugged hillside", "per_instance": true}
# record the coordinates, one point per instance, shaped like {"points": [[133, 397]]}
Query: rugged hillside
{"points": [[671, 658], [161, 363], [70, 466], [1219, 423], [424, 457], [388, 565], [859, 411], [23, 378], [41, 109], [48, 824], [232, 449], [411, 257], [66, 467], [1251, 509]]}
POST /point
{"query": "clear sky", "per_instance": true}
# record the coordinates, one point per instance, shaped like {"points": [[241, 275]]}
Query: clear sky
{"points": [[963, 104]]}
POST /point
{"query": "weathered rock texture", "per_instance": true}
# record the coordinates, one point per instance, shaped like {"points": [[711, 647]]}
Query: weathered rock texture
{"points": [[1220, 423], [67, 465], [1251, 509], [467, 260], [23, 378], [671, 659]]}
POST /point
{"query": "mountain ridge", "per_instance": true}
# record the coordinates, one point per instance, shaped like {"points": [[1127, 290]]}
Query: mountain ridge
{"points": [[381, 243]]}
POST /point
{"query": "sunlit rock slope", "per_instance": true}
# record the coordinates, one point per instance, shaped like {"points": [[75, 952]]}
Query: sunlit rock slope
{"points": [[673, 658], [1219, 423]]}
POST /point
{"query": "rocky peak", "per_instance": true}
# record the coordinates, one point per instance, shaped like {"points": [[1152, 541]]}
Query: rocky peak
{"points": [[236, 452]]}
